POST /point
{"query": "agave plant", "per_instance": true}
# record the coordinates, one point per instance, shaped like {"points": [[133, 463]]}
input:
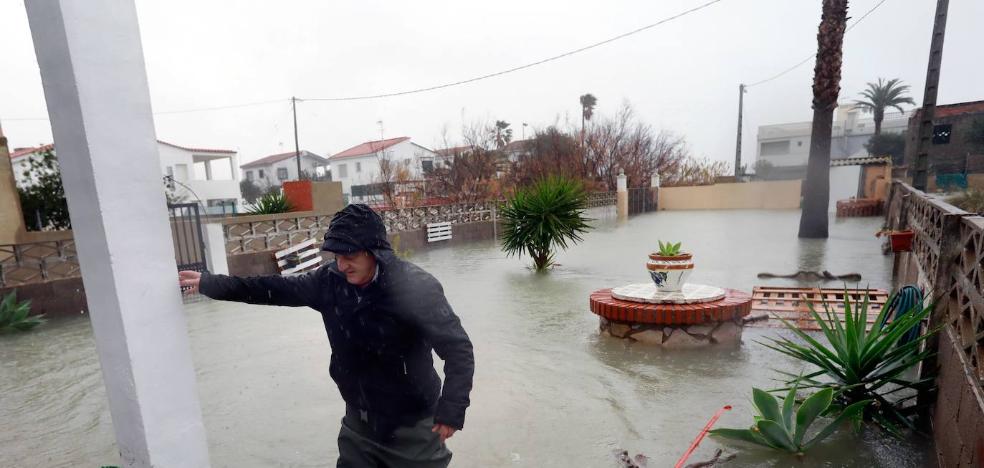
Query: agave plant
{"points": [[786, 429], [669, 249], [860, 364], [544, 217], [14, 316], [272, 203]]}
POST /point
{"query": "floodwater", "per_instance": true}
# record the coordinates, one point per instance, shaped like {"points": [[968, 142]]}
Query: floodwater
{"points": [[549, 391]]}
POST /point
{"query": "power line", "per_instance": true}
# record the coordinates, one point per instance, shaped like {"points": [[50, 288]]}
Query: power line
{"points": [[182, 111], [811, 56], [521, 67]]}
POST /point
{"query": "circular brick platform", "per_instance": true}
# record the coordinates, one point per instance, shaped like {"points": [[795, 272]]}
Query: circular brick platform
{"points": [[733, 306]]}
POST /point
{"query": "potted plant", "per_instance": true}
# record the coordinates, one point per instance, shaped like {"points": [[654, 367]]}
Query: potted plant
{"points": [[669, 267], [901, 241]]}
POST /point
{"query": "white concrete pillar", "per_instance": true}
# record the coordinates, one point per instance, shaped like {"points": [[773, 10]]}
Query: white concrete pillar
{"points": [[654, 186], [215, 249], [234, 166], [208, 169], [95, 84], [622, 196]]}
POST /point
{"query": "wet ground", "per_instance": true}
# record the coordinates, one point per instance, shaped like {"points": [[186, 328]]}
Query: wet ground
{"points": [[549, 391]]}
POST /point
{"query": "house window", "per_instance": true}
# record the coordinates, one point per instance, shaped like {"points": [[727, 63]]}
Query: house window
{"points": [[261, 174], [941, 134], [358, 167], [775, 148], [342, 170], [282, 173], [249, 175], [428, 166]]}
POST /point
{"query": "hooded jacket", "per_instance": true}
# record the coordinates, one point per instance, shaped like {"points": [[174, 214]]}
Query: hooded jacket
{"points": [[381, 335]]}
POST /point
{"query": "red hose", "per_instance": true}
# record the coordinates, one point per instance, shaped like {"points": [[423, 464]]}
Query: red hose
{"points": [[700, 437]]}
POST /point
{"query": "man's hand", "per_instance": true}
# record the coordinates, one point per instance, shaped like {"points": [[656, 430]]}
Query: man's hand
{"points": [[189, 280], [445, 431]]}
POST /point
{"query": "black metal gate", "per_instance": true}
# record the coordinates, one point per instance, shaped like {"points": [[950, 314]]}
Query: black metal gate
{"points": [[642, 200], [186, 231]]}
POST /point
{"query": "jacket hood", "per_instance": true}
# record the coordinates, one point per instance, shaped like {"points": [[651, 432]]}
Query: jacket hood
{"points": [[357, 227]]}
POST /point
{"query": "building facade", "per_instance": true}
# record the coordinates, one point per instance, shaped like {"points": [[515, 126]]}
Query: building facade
{"points": [[956, 150], [274, 170], [786, 147], [359, 167], [190, 174]]}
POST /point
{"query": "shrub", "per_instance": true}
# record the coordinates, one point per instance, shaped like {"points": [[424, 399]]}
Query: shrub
{"points": [[544, 217], [14, 316], [272, 203]]}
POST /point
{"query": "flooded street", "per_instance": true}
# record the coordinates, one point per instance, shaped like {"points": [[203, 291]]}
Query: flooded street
{"points": [[549, 391]]}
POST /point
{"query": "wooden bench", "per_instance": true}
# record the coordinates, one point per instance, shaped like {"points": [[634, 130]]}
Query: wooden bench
{"points": [[299, 258], [438, 232]]}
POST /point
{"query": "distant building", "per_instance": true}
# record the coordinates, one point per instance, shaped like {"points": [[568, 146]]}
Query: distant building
{"points": [[518, 149], [358, 168], [204, 174], [955, 160], [786, 147], [273, 170]]}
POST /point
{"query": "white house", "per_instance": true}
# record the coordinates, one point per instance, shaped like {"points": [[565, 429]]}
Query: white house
{"points": [[273, 170], [786, 147], [194, 174], [357, 168]]}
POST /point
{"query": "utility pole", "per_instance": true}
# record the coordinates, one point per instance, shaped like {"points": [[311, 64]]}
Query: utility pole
{"points": [[297, 146], [920, 169], [380, 123], [741, 105]]}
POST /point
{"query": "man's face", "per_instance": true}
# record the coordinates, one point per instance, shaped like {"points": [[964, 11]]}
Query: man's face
{"points": [[358, 267]]}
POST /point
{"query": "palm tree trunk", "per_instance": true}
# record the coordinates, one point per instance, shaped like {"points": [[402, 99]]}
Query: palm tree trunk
{"points": [[879, 116], [826, 88]]}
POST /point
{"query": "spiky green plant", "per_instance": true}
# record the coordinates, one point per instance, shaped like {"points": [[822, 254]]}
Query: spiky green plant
{"points": [[14, 315], [786, 429], [669, 249], [544, 217], [272, 203], [860, 364]]}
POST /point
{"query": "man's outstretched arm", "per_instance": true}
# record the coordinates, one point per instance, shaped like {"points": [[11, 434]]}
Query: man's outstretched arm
{"points": [[290, 291]]}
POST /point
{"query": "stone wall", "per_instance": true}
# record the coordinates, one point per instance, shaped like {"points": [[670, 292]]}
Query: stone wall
{"points": [[947, 260]]}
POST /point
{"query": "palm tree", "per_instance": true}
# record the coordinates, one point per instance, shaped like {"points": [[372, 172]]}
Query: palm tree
{"points": [[539, 219], [503, 134], [826, 88], [882, 95], [588, 102]]}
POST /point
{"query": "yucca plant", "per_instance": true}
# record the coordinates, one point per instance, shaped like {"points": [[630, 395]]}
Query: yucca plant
{"points": [[669, 249], [546, 216], [860, 364], [786, 429], [272, 203], [14, 316]]}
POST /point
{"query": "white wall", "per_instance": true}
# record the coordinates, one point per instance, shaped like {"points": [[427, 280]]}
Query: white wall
{"points": [[844, 182], [270, 178], [404, 152]]}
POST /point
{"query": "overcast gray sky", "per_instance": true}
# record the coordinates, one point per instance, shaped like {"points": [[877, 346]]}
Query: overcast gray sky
{"points": [[682, 76]]}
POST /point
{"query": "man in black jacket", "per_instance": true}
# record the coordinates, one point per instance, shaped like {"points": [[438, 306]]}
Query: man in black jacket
{"points": [[383, 317]]}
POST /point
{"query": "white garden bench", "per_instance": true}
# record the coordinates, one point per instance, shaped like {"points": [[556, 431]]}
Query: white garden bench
{"points": [[438, 232], [298, 258]]}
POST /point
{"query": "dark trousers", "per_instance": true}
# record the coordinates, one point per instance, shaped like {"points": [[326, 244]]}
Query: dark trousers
{"points": [[411, 446]]}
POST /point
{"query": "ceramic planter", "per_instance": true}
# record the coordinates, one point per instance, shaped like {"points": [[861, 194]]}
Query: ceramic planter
{"points": [[901, 241], [670, 272]]}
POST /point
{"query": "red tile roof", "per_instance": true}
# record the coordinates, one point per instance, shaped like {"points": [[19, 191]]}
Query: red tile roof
{"points": [[273, 158], [21, 152], [368, 147], [455, 150], [197, 150]]}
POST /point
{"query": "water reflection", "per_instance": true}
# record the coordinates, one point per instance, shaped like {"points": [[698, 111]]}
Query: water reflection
{"points": [[549, 391]]}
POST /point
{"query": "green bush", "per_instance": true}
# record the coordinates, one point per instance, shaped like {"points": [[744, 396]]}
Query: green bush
{"points": [[859, 364], [786, 429], [272, 203], [14, 316], [546, 216]]}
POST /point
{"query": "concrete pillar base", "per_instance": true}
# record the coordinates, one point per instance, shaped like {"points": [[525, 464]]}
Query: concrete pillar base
{"points": [[676, 336]]}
